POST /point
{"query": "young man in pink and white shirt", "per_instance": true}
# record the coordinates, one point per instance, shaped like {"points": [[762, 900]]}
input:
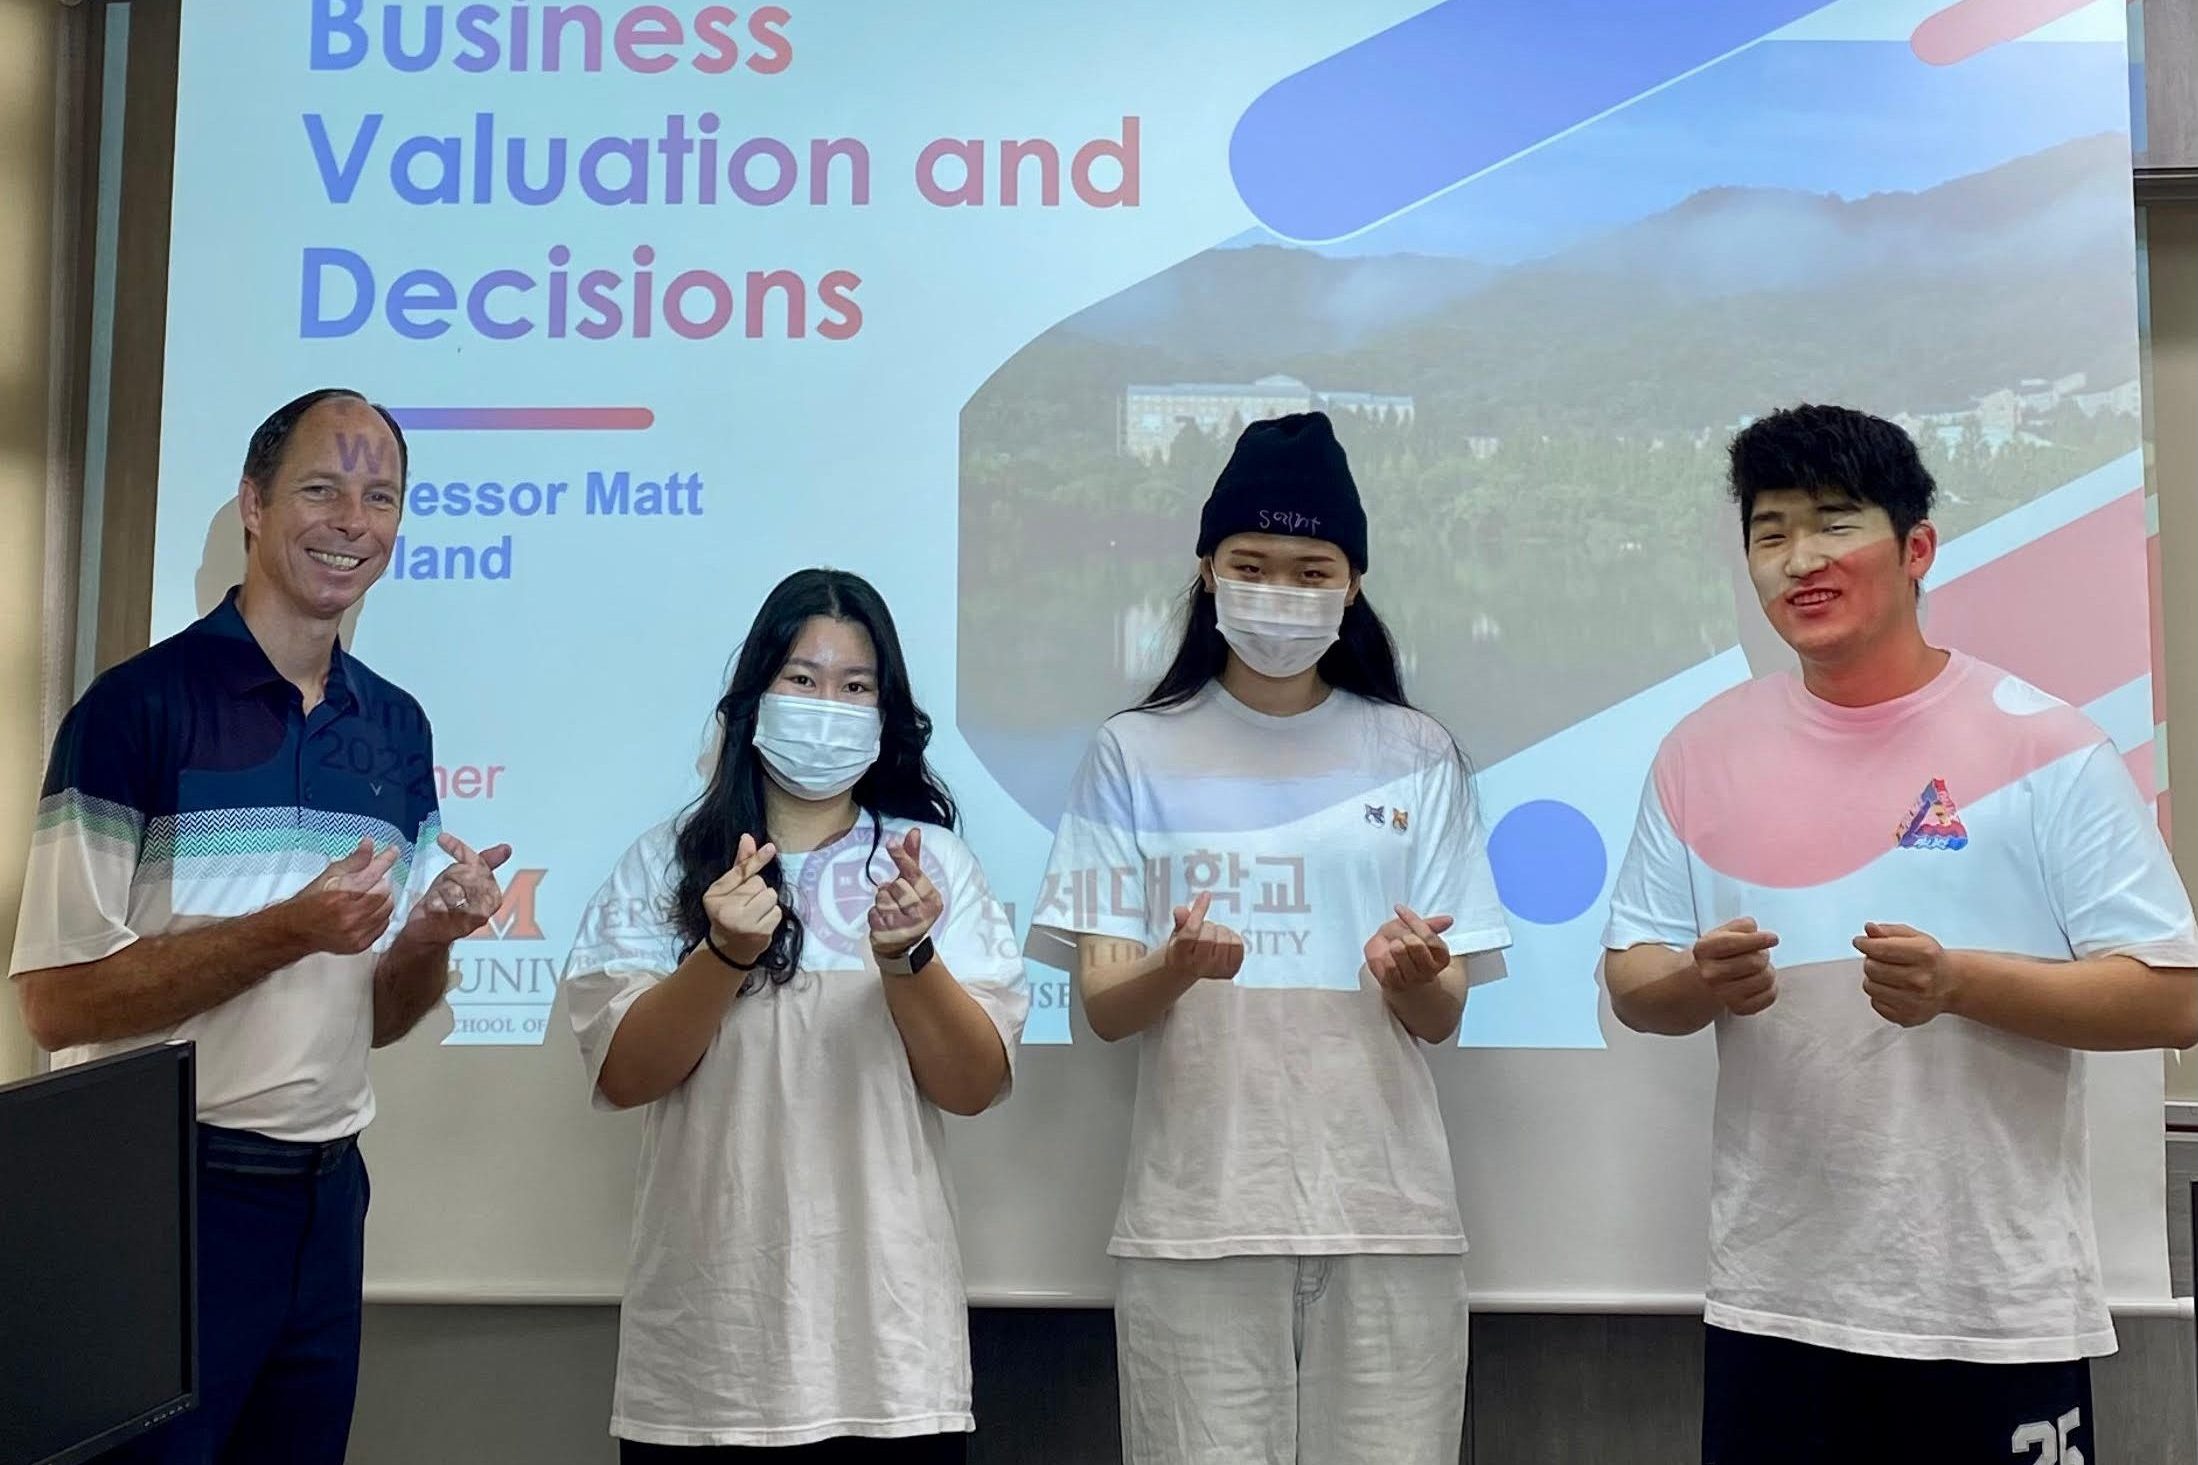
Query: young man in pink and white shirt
{"points": [[1909, 890]]}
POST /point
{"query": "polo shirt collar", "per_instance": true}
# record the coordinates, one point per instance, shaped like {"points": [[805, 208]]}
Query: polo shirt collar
{"points": [[244, 668]]}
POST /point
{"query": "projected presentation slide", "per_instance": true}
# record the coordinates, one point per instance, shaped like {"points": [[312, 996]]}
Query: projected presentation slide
{"points": [[973, 299]]}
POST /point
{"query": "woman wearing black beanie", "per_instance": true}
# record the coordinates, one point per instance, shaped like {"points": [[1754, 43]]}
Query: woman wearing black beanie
{"points": [[1271, 871]]}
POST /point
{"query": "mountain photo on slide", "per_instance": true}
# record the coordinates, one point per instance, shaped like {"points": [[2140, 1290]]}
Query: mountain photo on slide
{"points": [[1540, 440]]}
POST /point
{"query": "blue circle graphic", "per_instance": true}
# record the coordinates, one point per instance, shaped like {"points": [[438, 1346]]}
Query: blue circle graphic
{"points": [[1549, 861]]}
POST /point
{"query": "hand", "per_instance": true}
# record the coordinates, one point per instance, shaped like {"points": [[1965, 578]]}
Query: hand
{"points": [[906, 908], [347, 906], [1200, 948], [1735, 963], [462, 898], [742, 907], [1408, 951], [1907, 976]]}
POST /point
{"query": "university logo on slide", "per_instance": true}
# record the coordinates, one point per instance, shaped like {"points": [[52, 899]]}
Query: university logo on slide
{"points": [[514, 919], [1934, 823]]}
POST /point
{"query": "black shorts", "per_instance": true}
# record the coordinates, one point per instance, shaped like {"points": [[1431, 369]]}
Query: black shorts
{"points": [[1766, 1401]]}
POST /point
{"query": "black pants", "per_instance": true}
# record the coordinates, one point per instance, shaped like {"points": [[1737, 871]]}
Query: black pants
{"points": [[281, 1236], [1766, 1401], [926, 1449]]}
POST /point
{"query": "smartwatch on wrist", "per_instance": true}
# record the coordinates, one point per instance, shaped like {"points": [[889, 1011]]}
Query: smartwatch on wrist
{"points": [[909, 962]]}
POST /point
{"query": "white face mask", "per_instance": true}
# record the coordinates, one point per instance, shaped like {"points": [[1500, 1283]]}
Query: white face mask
{"points": [[816, 749], [1278, 630]]}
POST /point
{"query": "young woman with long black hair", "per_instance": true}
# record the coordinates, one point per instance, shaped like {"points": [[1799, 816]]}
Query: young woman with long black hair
{"points": [[1271, 871], [795, 977]]}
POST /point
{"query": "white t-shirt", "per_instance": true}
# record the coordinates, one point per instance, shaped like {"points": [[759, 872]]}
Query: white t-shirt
{"points": [[1924, 1192], [795, 1273], [1287, 1111]]}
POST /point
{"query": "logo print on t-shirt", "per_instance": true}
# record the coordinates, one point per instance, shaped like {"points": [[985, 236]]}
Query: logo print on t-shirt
{"points": [[1377, 815], [1400, 820], [1933, 823], [837, 884]]}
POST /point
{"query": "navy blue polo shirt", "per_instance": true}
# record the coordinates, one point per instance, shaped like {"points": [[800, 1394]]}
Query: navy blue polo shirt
{"points": [[190, 785]]}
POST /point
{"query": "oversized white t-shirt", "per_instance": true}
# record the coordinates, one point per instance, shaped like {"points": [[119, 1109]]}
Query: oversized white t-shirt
{"points": [[1909, 1192], [794, 1273], [1287, 1111]]}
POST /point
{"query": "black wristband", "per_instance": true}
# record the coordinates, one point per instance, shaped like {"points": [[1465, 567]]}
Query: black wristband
{"points": [[709, 939]]}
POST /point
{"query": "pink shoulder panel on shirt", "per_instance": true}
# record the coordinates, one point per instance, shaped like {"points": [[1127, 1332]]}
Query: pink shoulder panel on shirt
{"points": [[1764, 791]]}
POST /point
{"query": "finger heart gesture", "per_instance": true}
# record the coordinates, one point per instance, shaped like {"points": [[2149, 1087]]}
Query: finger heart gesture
{"points": [[465, 895], [347, 906], [1735, 965], [905, 908], [1408, 951], [1905, 973], [1200, 948], [742, 906]]}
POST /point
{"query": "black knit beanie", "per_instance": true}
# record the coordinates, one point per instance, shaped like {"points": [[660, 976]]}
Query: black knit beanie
{"points": [[1287, 475]]}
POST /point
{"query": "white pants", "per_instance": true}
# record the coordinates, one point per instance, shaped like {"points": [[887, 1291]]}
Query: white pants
{"points": [[1292, 1360]]}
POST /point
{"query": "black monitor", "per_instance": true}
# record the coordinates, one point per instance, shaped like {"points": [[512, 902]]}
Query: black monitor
{"points": [[98, 1254]]}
